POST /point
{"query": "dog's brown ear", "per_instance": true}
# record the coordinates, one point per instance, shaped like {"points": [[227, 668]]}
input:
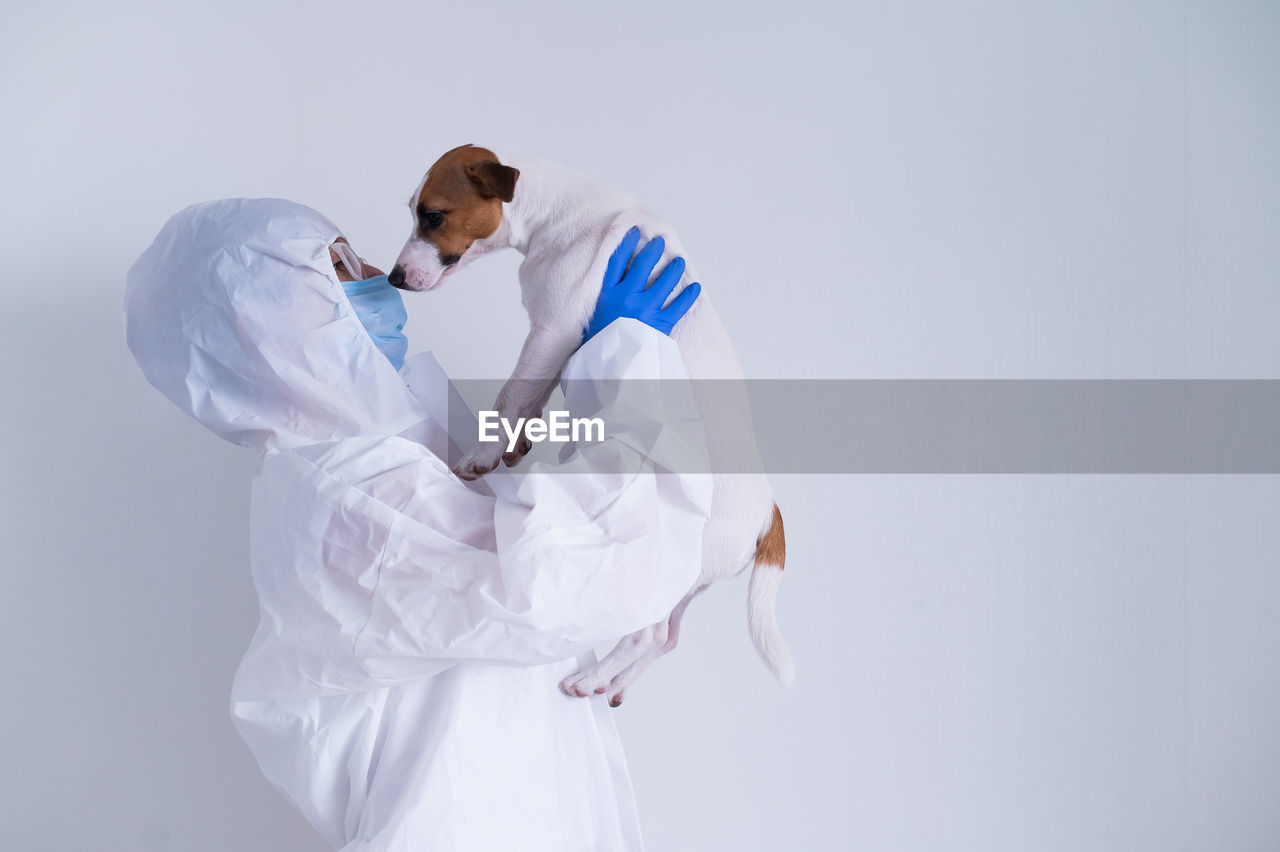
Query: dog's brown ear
{"points": [[493, 180]]}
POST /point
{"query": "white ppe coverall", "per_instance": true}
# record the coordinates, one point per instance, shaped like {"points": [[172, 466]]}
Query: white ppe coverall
{"points": [[401, 689]]}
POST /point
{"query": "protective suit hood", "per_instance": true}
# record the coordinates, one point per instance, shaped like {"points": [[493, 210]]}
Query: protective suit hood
{"points": [[235, 313]]}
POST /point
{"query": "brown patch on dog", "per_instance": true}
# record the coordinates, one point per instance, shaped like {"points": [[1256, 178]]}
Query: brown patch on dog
{"points": [[771, 548], [461, 199]]}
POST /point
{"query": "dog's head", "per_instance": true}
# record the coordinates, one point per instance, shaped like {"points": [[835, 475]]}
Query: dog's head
{"points": [[458, 203]]}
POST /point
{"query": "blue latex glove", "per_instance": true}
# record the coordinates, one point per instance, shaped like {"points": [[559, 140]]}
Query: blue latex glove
{"points": [[381, 310], [624, 293]]}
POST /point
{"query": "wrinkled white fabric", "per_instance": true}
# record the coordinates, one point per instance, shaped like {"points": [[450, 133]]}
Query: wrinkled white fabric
{"points": [[401, 689]]}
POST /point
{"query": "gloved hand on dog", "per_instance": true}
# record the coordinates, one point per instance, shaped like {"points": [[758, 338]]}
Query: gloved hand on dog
{"points": [[624, 293]]}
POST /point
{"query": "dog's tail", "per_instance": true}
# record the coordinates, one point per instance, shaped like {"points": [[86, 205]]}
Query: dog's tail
{"points": [[762, 597]]}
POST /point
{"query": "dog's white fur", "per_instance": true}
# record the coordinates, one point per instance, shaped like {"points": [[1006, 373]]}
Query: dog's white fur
{"points": [[566, 225]]}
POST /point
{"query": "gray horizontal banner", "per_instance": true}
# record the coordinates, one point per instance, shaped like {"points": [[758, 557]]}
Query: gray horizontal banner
{"points": [[961, 426]]}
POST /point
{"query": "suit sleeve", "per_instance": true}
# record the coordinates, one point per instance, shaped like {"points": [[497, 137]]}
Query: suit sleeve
{"points": [[384, 568]]}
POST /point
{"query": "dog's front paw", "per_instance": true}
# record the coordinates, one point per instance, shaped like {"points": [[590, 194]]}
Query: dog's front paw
{"points": [[522, 448], [478, 462]]}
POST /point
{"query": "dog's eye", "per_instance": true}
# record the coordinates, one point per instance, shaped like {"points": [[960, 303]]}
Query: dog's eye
{"points": [[433, 218]]}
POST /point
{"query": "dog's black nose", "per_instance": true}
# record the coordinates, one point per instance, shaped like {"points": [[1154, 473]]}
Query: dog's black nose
{"points": [[397, 276]]}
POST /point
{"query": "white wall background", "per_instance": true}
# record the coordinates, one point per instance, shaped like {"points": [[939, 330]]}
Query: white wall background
{"points": [[995, 189]]}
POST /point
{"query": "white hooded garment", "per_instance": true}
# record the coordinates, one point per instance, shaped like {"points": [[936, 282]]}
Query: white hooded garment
{"points": [[401, 689]]}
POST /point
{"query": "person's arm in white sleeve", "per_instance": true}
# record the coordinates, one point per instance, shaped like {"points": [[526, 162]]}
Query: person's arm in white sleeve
{"points": [[386, 568], [628, 511], [399, 570]]}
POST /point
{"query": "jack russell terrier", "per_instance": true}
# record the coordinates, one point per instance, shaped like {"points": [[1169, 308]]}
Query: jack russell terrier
{"points": [[566, 225]]}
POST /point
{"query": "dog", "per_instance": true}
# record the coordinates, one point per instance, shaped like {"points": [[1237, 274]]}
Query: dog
{"points": [[469, 204]]}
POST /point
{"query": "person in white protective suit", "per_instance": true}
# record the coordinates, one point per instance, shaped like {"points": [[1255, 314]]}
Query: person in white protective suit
{"points": [[401, 689]]}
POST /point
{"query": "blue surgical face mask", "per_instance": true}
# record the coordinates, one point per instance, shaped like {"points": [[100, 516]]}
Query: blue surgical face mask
{"points": [[381, 310]]}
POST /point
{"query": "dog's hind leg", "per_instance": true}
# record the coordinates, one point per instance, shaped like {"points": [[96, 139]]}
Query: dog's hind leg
{"points": [[628, 675], [631, 656]]}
